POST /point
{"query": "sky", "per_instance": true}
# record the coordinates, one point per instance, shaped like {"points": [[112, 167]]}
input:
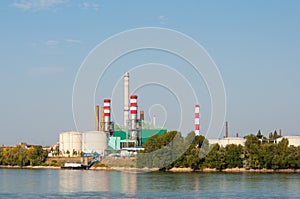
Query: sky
{"points": [[255, 45]]}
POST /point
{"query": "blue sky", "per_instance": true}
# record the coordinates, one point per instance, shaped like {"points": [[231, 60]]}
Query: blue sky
{"points": [[255, 44]]}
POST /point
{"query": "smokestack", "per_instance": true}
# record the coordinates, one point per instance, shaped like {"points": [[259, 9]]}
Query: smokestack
{"points": [[102, 119], [106, 111], [126, 98], [142, 115], [133, 114], [154, 121], [227, 129], [280, 132], [97, 118], [197, 119]]}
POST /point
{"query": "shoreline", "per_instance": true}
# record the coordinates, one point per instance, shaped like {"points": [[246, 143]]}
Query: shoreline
{"points": [[235, 170], [174, 170], [29, 167]]}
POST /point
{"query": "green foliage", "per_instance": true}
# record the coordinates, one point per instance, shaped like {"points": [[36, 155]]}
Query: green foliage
{"points": [[20, 156], [259, 135], [195, 152]]}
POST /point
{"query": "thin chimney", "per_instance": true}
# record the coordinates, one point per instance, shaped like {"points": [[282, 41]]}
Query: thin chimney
{"points": [[142, 115], [226, 129], [97, 118]]}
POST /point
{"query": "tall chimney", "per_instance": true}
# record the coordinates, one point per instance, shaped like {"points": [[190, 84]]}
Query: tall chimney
{"points": [[226, 129], [142, 115], [126, 98], [97, 118], [133, 114], [102, 119], [280, 132], [106, 108], [197, 119]]}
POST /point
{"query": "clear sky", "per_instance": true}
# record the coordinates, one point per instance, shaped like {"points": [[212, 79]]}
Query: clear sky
{"points": [[255, 44]]}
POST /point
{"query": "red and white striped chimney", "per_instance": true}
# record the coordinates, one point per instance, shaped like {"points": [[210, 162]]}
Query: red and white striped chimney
{"points": [[197, 119], [133, 115], [106, 111]]}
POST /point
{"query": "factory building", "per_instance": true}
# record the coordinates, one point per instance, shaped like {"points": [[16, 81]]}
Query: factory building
{"points": [[293, 140], [104, 138], [120, 140], [228, 140]]}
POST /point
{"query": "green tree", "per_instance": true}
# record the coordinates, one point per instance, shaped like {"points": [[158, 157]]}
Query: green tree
{"points": [[233, 156], [36, 155], [259, 135]]}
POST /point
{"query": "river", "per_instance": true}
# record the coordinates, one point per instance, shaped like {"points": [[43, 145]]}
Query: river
{"points": [[43, 183]]}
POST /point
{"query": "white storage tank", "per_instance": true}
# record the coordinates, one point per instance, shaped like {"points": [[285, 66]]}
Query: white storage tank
{"points": [[70, 143], [94, 141]]}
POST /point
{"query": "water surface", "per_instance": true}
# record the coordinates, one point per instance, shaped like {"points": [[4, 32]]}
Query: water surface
{"points": [[33, 183]]}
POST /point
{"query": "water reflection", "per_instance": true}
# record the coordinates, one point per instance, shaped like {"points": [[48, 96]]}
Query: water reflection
{"points": [[19, 183], [99, 181]]}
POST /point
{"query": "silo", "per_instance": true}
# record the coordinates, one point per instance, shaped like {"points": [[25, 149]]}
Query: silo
{"points": [[75, 143], [70, 141], [94, 141]]}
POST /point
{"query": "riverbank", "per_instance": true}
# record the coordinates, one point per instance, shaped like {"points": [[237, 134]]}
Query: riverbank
{"points": [[28, 167], [236, 170]]}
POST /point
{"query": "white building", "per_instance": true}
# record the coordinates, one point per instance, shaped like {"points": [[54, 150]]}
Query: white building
{"points": [[293, 140], [229, 140]]}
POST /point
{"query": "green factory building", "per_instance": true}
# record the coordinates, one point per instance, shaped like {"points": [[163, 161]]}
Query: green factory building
{"points": [[118, 140]]}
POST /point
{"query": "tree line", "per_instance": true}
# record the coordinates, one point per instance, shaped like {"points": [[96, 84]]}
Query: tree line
{"points": [[196, 153], [21, 156]]}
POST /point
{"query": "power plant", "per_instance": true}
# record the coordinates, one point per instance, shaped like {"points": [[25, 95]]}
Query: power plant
{"points": [[105, 138]]}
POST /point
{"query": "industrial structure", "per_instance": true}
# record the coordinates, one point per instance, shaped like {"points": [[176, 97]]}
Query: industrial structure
{"points": [[126, 98], [105, 138], [293, 140], [197, 119], [228, 140]]}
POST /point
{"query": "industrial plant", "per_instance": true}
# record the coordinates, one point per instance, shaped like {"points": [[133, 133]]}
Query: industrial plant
{"points": [[105, 139]]}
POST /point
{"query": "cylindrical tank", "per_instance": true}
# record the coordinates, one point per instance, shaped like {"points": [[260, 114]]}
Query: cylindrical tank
{"points": [[106, 114], [70, 143], [197, 119], [94, 141]]}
